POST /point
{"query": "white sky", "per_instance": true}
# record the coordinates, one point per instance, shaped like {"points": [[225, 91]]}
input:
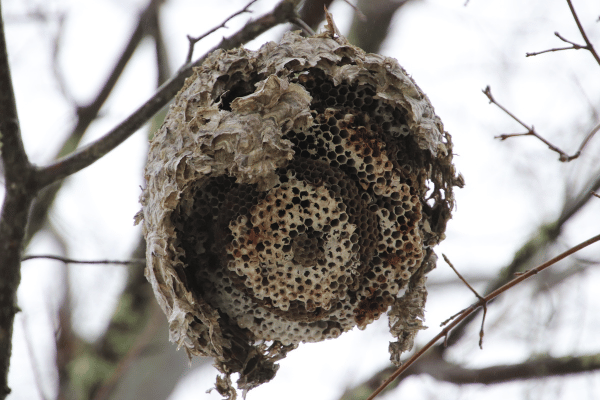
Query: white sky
{"points": [[452, 52]]}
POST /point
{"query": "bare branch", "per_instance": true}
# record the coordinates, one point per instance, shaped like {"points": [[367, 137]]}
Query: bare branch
{"points": [[535, 246], [434, 365], [86, 114], [447, 320], [475, 306], [589, 45], [564, 157], [20, 191], [72, 261], [573, 46], [481, 332], [14, 158], [283, 12], [587, 138], [193, 40], [461, 277], [488, 92]]}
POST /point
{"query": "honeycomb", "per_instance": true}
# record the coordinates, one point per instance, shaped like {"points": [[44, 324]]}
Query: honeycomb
{"points": [[293, 194]]}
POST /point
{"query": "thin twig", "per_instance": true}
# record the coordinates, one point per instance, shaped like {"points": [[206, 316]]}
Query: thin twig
{"points": [[307, 29], [573, 46], [72, 261], [596, 194], [488, 92], [589, 44], [450, 318], [475, 306], [84, 157], [564, 157], [537, 245], [193, 41], [587, 138], [479, 297], [19, 193], [461, 277]]}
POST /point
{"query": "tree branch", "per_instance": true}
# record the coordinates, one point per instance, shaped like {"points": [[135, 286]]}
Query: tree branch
{"points": [[479, 297], [564, 157], [589, 45], [477, 305], [86, 115], [24, 181], [119, 362], [573, 46], [534, 247], [14, 158], [433, 364], [20, 191], [283, 12], [223, 24]]}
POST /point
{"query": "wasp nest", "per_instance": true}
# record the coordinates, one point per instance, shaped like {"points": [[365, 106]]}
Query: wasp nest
{"points": [[294, 193]]}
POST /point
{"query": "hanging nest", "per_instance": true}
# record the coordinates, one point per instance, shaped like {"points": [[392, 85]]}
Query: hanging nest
{"points": [[292, 194]]}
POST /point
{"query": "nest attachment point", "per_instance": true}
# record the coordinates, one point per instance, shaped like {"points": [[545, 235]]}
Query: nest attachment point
{"points": [[292, 194]]}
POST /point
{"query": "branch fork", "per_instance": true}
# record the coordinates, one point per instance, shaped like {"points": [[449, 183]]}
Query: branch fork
{"points": [[563, 156]]}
